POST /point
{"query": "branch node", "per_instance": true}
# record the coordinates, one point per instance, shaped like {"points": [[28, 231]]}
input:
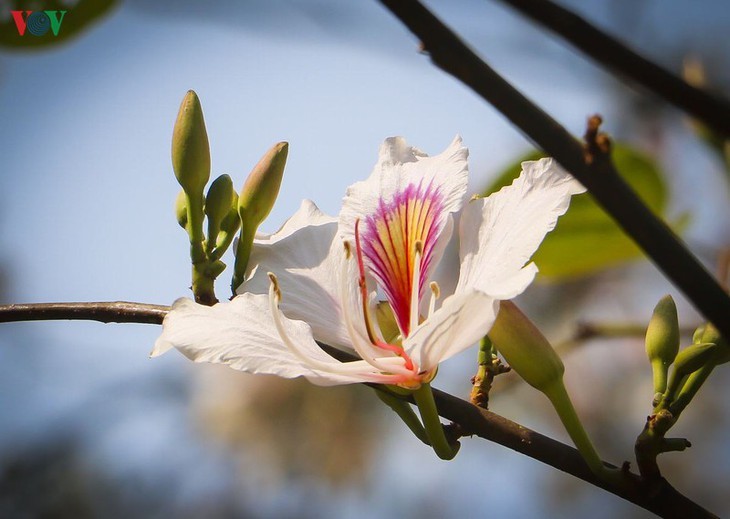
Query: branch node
{"points": [[597, 144]]}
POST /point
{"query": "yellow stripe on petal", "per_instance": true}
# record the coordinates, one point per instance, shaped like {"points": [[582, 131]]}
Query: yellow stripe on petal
{"points": [[390, 235]]}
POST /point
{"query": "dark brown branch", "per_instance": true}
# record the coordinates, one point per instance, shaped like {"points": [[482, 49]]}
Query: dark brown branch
{"points": [[660, 498], [600, 177], [105, 312], [709, 108]]}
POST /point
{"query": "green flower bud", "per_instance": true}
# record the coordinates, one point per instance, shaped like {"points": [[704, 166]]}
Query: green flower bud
{"points": [[662, 341], [692, 358], [698, 333], [525, 348], [255, 203], [262, 186], [181, 209], [708, 333], [190, 150], [230, 224], [218, 205]]}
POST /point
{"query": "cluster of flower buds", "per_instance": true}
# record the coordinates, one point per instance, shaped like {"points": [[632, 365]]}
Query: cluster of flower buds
{"points": [[690, 367], [226, 212]]}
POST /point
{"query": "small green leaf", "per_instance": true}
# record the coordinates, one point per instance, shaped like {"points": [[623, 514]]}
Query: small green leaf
{"points": [[586, 239]]}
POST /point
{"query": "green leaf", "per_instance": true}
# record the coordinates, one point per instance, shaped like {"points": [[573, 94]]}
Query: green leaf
{"points": [[586, 240]]}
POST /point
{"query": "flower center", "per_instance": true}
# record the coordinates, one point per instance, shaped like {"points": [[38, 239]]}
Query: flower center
{"points": [[398, 242]]}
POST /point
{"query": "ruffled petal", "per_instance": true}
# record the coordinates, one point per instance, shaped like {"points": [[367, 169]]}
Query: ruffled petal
{"points": [[461, 321], [306, 255], [500, 233], [242, 334], [408, 199]]}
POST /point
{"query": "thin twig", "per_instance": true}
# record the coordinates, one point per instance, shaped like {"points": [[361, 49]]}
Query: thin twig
{"points": [[658, 497], [707, 107], [450, 54], [105, 312]]}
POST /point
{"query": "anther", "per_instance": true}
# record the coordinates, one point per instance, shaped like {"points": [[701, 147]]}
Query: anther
{"points": [[275, 284]]}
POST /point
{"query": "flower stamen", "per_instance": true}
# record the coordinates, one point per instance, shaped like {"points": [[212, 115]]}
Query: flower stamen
{"points": [[372, 336], [415, 284], [361, 367], [358, 342], [435, 294]]}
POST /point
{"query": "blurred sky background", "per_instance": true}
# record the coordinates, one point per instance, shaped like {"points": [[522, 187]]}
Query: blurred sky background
{"points": [[89, 425]]}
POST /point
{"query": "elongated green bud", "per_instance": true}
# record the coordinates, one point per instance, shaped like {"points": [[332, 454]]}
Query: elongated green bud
{"points": [[181, 209], [230, 224], [190, 150], [708, 333], [529, 353], [689, 360], [662, 341], [217, 206], [525, 348], [262, 186], [255, 203]]}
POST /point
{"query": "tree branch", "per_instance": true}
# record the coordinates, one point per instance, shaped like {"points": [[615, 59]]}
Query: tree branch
{"points": [[658, 496], [707, 107], [450, 54], [105, 312]]}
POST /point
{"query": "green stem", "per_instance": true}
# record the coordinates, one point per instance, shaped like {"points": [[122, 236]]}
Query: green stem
{"points": [[222, 245], [195, 228], [404, 410], [431, 422], [558, 396], [689, 390], [659, 375], [243, 253], [202, 282]]}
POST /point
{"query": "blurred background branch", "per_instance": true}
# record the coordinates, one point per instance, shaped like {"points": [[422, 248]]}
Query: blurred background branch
{"points": [[711, 109]]}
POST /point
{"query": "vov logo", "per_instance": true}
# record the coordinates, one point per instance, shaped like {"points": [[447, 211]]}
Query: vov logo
{"points": [[37, 23]]}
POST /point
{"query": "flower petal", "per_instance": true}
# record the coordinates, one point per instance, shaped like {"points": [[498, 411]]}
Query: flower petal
{"points": [[500, 233], [242, 334], [408, 198], [461, 321], [306, 255]]}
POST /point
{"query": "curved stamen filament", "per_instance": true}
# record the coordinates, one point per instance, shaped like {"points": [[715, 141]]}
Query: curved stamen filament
{"points": [[359, 367], [357, 340], [372, 336], [435, 294], [415, 285]]}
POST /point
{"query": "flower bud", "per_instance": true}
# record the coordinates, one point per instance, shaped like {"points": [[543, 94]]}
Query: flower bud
{"points": [[218, 204], [662, 340], [255, 202], [181, 209], [262, 186], [692, 358], [230, 224], [525, 348], [708, 333], [190, 150]]}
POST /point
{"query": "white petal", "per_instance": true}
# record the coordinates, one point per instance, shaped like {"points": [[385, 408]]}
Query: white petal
{"points": [[461, 321], [399, 166], [307, 214], [241, 333], [306, 255], [500, 233]]}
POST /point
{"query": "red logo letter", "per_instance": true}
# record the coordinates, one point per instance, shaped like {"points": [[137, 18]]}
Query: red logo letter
{"points": [[19, 21]]}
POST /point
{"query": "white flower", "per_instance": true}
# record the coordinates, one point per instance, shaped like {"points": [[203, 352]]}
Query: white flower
{"points": [[318, 278]]}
